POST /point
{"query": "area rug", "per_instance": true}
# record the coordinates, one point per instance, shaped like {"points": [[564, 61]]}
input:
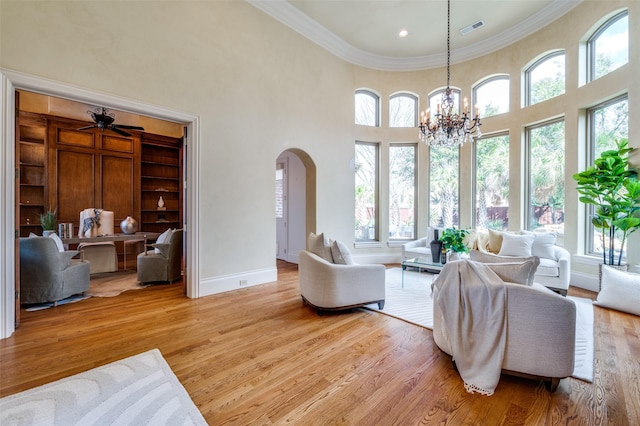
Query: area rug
{"points": [[111, 284], [139, 390], [70, 299], [413, 303]]}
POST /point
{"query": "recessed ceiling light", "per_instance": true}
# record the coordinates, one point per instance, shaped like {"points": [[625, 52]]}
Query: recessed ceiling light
{"points": [[403, 33]]}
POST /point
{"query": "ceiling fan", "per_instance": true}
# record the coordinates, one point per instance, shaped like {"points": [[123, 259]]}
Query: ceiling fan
{"points": [[104, 120]]}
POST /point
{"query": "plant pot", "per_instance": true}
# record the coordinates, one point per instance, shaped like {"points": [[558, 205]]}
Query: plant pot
{"points": [[623, 267], [47, 233]]}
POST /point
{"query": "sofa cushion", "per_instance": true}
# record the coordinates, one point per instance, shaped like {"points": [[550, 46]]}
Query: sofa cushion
{"points": [[543, 244], [620, 291], [478, 256], [319, 246], [58, 241], [341, 254], [516, 272], [516, 245], [163, 238], [548, 268], [495, 241]]}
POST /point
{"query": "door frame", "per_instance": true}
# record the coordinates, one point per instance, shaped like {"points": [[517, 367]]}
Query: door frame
{"points": [[13, 80]]}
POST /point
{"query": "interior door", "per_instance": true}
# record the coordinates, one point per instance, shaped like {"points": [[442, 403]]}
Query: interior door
{"points": [[17, 210], [281, 210]]}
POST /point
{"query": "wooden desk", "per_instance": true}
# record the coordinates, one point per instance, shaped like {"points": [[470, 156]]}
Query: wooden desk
{"points": [[137, 237]]}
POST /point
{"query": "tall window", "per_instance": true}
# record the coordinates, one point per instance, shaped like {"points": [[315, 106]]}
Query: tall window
{"points": [[545, 146], [545, 78], [402, 191], [492, 182], [607, 123], [366, 164], [492, 96], [403, 110], [608, 47], [443, 186], [367, 108]]}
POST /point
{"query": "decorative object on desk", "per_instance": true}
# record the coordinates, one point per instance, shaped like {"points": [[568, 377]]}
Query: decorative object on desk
{"points": [[161, 204], [612, 187], [129, 225], [92, 221], [443, 255], [48, 222], [436, 247]]}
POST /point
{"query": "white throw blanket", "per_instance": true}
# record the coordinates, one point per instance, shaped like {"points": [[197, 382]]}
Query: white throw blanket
{"points": [[477, 330]]}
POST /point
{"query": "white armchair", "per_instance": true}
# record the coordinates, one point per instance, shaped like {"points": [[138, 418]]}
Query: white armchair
{"points": [[328, 286]]}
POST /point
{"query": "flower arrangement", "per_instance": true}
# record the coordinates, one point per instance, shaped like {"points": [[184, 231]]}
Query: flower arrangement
{"points": [[48, 220], [453, 240]]}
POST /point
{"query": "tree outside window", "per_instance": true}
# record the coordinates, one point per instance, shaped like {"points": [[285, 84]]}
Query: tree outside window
{"points": [[366, 196], [492, 182], [403, 110], [402, 191], [443, 186], [367, 108], [546, 176], [492, 96], [608, 47]]}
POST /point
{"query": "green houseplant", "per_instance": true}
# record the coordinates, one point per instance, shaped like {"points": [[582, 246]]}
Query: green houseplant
{"points": [[48, 221], [453, 240], [611, 185]]}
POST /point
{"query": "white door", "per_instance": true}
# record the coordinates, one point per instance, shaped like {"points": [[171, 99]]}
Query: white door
{"points": [[282, 206]]}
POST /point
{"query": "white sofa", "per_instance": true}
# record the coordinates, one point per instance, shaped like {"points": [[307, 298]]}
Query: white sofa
{"points": [[540, 332], [554, 271]]}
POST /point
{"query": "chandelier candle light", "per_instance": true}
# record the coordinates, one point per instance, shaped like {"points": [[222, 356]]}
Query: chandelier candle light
{"points": [[449, 128]]}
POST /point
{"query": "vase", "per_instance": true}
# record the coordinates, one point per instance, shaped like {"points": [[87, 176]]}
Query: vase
{"points": [[436, 247], [129, 225], [454, 255], [443, 256], [46, 233]]}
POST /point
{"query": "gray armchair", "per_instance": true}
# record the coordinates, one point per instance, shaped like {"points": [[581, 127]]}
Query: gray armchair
{"points": [[50, 275], [163, 262]]}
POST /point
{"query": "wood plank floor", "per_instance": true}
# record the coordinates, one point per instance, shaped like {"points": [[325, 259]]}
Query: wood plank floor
{"points": [[259, 356]]}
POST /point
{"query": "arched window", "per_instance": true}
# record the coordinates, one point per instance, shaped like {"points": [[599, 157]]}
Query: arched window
{"points": [[491, 96], [608, 47], [367, 108], [403, 110], [545, 78]]}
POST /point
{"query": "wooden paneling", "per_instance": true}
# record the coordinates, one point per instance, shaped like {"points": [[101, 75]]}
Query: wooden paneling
{"points": [[74, 184], [118, 144], [117, 186], [74, 138]]}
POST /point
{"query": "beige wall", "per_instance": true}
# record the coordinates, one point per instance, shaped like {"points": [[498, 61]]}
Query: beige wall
{"points": [[259, 88]]}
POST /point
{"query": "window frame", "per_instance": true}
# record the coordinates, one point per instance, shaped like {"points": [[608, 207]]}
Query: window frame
{"points": [[376, 184], [475, 173], [415, 100], [489, 80], [591, 44], [533, 66], [415, 189], [376, 98]]}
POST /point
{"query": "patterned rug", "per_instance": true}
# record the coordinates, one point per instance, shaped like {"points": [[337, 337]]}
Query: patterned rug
{"points": [[139, 390], [413, 303]]}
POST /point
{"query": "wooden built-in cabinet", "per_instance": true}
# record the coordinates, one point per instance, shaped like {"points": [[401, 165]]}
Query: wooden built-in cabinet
{"points": [[32, 157], [161, 176]]}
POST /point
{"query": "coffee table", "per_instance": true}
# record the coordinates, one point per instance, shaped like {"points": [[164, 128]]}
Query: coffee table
{"points": [[421, 263]]}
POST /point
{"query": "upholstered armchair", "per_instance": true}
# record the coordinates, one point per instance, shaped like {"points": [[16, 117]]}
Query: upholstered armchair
{"points": [[48, 274], [163, 262]]}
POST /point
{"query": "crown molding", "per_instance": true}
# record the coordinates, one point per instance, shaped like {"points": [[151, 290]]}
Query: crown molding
{"points": [[283, 11]]}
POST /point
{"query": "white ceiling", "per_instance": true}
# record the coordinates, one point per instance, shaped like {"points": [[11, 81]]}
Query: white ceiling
{"points": [[365, 32]]}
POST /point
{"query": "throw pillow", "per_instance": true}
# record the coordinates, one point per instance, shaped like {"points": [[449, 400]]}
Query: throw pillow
{"points": [[163, 238], [620, 291], [516, 245], [58, 241], [516, 272], [543, 244], [479, 256], [319, 246], [495, 241], [341, 254]]}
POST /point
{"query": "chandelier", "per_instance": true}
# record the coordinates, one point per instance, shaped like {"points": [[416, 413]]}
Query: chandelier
{"points": [[449, 127]]}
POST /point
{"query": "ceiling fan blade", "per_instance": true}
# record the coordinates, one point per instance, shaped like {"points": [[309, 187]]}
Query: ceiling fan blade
{"points": [[118, 131], [122, 126], [87, 127]]}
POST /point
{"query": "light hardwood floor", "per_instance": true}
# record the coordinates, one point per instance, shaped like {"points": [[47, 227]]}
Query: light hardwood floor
{"points": [[259, 356]]}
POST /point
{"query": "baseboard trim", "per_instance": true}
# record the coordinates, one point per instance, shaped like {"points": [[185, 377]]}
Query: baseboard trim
{"points": [[224, 283], [586, 281]]}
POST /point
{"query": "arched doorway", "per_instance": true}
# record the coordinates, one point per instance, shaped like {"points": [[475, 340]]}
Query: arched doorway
{"points": [[295, 183]]}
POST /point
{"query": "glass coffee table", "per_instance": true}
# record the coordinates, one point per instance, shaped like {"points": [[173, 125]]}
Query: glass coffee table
{"points": [[422, 263]]}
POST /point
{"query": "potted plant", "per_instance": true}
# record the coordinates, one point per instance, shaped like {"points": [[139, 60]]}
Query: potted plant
{"points": [[611, 185], [48, 222], [453, 241]]}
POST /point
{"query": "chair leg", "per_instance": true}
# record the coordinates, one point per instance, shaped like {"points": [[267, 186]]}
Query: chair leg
{"points": [[381, 304]]}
